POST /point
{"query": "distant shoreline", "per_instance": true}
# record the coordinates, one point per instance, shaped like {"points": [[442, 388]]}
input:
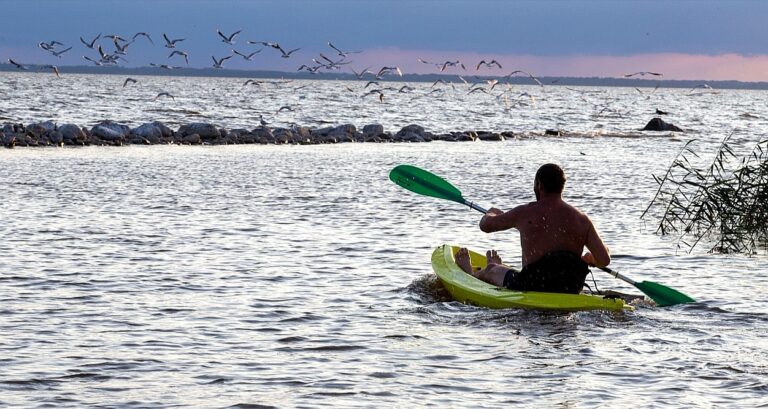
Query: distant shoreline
{"points": [[343, 76]]}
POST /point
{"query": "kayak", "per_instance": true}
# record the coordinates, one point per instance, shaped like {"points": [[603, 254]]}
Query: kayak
{"points": [[469, 290]]}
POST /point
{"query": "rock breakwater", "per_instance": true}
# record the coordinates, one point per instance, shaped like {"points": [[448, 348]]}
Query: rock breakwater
{"points": [[109, 133]]}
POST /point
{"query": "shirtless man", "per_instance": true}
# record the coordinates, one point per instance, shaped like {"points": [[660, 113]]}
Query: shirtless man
{"points": [[553, 235]]}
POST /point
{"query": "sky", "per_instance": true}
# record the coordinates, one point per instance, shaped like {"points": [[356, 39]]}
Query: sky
{"points": [[684, 39]]}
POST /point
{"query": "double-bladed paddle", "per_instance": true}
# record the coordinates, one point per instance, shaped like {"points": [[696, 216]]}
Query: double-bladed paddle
{"points": [[425, 183]]}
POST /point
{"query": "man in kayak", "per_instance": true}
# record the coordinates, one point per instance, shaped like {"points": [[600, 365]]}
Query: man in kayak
{"points": [[553, 235]]}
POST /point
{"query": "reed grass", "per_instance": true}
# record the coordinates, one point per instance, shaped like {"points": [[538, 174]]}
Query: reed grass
{"points": [[723, 204]]}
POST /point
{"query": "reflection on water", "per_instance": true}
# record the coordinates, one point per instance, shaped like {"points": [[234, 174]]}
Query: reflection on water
{"points": [[290, 276]]}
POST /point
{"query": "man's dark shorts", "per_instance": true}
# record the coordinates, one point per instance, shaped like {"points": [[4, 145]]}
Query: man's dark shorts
{"points": [[556, 272]]}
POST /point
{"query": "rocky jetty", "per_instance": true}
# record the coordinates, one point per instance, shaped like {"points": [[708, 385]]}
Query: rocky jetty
{"points": [[109, 133]]}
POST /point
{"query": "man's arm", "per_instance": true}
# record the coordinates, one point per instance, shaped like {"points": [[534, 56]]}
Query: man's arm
{"points": [[497, 220], [598, 254]]}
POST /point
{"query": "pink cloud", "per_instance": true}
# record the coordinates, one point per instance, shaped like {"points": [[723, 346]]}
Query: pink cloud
{"points": [[675, 66]]}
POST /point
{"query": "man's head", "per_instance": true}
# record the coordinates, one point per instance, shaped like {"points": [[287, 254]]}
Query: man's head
{"points": [[550, 178]]}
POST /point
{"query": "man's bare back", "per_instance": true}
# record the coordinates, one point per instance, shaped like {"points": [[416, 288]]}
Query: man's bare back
{"points": [[547, 226]]}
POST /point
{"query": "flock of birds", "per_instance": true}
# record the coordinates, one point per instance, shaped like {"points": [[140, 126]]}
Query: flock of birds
{"points": [[339, 59]]}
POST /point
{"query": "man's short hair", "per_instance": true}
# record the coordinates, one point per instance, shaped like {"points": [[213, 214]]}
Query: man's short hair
{"points": [[551, 177]]}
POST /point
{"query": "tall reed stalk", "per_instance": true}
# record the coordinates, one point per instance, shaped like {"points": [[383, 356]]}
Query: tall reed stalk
{"points": [[724, 204]]}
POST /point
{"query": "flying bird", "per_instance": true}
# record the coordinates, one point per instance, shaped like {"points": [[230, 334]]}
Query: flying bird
{"points": [[248, 57], [487, 64], [49, 46], [375, 91], [643, 73], [526, 73], [452, 64], [181, 53], [219, 63], [142, 34], [254, 82], [54, 68], [91, 44], [171, 43], [361, 73], [342, 53], [288, 54], [17, 65], [165, 94], [388, 70], [59, 53], [228, 39], [95, 62], [285, 108], [129, 80]]}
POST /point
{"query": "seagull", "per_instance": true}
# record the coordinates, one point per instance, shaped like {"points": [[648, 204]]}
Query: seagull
{"points": [[171, 43], [127, 80], [387, 70], [487, 64], [59, 53], [19, 66], [248, 57], [709, 90], [142, 34], [49, 46], [121, 48], [375, 91], [91, 44], [228, 39], [115, 37], [526, 73], [85, 57], [182, 53], [643, 73], [405, 88], [343, 53], [371, 83], [164, 94], [311, 70], [288, 54], [54, 68], [218, 63], [452, 64], [439, 81], [360, 74], [285, 108], [165, 66], [427, 62], [254, 82]]}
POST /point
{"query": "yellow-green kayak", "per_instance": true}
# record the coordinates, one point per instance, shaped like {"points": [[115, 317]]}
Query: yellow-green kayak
{"points": [[469, 290]]}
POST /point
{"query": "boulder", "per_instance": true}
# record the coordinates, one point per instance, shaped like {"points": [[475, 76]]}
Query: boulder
{"points": [[165, 131], [490, 136], [373, 130], [192, 139], [205, 131], [110, 131], [657, 124], [72, 134], [414, 129], [41, 128], [148, 131], [56, 138]]}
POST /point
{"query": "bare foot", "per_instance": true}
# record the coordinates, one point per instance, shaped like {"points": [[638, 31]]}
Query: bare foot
{"points": [[462, 260], [493, 257]]}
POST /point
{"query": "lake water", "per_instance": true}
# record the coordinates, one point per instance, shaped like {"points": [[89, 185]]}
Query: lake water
{"points": [[299, 276]]}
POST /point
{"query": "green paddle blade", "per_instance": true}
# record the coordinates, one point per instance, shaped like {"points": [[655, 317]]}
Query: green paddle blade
{"points": [[424, 183], [663, 295]]}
